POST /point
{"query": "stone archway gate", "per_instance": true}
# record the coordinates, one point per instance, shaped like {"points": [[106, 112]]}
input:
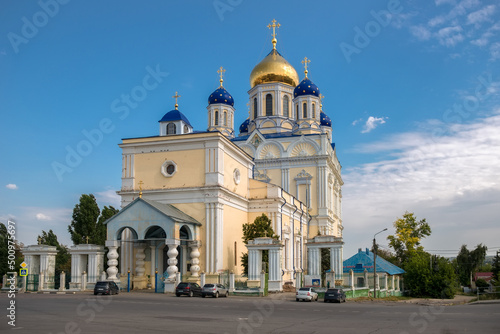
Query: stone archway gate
{"points": [[255, 248]]}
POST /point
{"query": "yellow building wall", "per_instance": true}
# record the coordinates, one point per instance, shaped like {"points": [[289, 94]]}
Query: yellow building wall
{"points": [[233, 235], [314, 187], [190, 169], [230, 164], [257, 189]]}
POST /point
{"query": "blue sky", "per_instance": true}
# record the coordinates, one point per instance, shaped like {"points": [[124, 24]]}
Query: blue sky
{"points": [[412, 88]]}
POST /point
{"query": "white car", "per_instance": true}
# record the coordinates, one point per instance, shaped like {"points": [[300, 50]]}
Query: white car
{"points": [[306, 294]]}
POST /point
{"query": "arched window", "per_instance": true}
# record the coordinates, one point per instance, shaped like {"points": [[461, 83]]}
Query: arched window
{"points": [[304, 110], [186, 129], [286, 112], [297, 112], [209, 118], [170, 129], [314, 110], [269, 105], [254, 108], [225, 119], [216, 118]]}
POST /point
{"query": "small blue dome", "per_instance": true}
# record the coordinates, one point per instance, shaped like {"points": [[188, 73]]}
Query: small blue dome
{"points": [[244, 126], [221, 95], [306, 87], [175, 115], [325, 120]]}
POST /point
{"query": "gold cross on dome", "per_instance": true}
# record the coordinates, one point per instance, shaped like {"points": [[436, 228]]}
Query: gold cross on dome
{"points": [[321, 97], [274, 25], [305, 62], [221, 72], [176, 96]]}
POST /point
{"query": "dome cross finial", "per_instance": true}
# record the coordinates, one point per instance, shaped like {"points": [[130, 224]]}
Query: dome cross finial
{"points": [[274, 25], [305, 62], [176, 96], [221, 72], [321, 97]]}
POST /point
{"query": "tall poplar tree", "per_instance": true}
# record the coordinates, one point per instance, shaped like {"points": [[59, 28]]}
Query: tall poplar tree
{"points": [[88, 221]]}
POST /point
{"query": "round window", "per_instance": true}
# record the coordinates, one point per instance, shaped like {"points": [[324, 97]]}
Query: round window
{"points": [[236, 176], [168, 168]]}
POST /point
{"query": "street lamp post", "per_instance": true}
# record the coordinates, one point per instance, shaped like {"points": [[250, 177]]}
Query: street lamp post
{"points": [[375, 264]]}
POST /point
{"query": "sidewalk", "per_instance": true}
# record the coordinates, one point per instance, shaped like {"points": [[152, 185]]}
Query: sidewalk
{"points": [[458, 300]]}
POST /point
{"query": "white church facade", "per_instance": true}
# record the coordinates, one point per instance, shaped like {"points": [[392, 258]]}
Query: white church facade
{"points": [[186, 194]]}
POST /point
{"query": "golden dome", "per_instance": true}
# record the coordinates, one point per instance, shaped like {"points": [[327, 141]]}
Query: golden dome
{"points": [[274, 68]]}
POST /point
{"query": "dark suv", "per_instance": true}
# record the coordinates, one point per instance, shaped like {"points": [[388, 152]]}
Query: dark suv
{"points": [[106, 288], [335, 295], [188, 289]]}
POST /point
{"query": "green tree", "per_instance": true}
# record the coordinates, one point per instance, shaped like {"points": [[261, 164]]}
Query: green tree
{"points": [[429, 276], [106, 213], [482, 284], [63, 257], [496, 267], [261, 227], [325, 263], [467, 262], [4, 251], [85, 222], [409, 233]]}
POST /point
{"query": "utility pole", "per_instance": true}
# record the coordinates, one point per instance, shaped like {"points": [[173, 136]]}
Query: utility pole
{"points": [[375, 264]]}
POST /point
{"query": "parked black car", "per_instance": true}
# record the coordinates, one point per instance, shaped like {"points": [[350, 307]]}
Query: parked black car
{"points": [[106, 288], [188, 289], [334, 295]]}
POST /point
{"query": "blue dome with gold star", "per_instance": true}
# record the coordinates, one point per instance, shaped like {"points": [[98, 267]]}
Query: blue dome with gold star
{"points": [[325, 120], [221, 95], [244, 126], [306, 87]]}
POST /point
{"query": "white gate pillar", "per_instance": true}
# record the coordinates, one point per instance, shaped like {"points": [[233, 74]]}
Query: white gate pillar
{"points": [[112, 260], [172, 258]]}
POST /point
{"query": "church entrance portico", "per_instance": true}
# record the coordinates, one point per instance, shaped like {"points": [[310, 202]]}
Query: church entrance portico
{"points": [[148, 236]]}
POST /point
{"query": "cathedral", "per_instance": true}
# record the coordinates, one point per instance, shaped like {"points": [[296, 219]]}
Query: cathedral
{"points": [[186, 194]]}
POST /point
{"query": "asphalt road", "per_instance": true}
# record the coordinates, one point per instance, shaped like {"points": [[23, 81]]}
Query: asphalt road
{"points": [[157, 313]]}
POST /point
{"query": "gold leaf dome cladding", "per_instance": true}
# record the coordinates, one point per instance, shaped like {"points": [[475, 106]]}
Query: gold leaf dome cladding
{"points": [[274, 68]]}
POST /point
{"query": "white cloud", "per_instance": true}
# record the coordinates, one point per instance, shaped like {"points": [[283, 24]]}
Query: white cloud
{"points": [[108, 197], [372, 123], [41, 216], [357, 121], [450, 36], [480, 16], [452, 180], [440, 2], [420, 32], [11, 186], [435, 21], [495, 51]]}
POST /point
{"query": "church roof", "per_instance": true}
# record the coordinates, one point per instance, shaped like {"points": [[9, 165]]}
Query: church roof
{"points": [[364, 260], [166, 209], [306, 87], [325, 120], [175, 115], [244, 126], [221, 95]]}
